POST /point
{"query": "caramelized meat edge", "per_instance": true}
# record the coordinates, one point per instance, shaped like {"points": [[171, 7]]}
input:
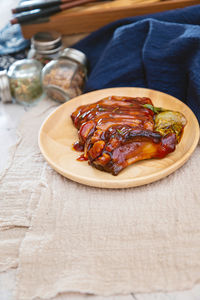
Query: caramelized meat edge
{"points": [[116, 132]]}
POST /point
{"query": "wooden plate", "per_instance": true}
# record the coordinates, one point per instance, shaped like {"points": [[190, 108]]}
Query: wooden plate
{"points": [[57, 134]]}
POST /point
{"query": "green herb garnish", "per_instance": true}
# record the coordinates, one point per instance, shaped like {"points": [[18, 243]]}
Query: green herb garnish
{"points": [[156, 110], [100, 108], [119, 131]]}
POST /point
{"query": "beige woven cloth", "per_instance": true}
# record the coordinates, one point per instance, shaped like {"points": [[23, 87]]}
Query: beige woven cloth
{"points": [[20, 185], [92, 240]]}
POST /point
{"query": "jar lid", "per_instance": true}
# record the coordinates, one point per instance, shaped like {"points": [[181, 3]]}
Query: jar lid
{"points": [[5, 87], [47, 42], [74, 54]]}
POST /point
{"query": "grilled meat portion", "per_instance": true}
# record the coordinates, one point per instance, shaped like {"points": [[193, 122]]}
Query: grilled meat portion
{"points": [[116, 131]]}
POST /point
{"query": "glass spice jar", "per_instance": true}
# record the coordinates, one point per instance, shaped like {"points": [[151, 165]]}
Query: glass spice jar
{"points": [[45, 46], [64, 78], [22, 82]]}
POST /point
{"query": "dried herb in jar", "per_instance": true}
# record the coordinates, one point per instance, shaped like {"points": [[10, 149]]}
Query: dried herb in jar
{"points": [[25, 81], [64, 78], [24, 89]]}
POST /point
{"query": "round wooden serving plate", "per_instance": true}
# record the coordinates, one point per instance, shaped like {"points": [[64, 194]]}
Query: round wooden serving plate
{"points": [[57, 134]]}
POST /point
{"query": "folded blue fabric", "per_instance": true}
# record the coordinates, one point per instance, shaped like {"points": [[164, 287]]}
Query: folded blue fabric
{"points": [[12, 45], [11, 39], [159, 51]]}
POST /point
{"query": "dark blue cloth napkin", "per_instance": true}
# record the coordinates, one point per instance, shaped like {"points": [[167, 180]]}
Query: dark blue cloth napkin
{"points": [[159, 51]]}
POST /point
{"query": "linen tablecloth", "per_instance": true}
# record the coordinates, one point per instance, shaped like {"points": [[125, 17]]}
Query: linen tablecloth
{"points": [[94, 240]]}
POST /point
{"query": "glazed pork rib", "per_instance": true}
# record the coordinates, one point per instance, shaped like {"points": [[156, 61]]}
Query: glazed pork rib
{"points": [[116, 131]]}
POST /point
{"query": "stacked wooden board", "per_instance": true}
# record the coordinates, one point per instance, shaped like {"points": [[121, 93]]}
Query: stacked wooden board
{"points": [[87, 18]]}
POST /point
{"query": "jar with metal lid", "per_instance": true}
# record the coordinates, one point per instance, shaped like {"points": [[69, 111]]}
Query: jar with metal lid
{"points": [[22, 82], [64, 78], [45, 46]]}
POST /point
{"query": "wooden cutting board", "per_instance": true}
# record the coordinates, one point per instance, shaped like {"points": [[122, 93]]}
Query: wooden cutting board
{"points": [[87, 18]]}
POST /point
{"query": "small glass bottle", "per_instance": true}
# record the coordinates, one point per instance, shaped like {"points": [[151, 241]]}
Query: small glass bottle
{"points": [[45, 46], [22, 82], [64, 77]]}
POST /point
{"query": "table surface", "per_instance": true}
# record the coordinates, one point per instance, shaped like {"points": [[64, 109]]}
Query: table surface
{"points": [[10, 115]]}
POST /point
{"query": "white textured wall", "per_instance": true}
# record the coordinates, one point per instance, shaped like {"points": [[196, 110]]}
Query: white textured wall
{"points": [[5, 11]]}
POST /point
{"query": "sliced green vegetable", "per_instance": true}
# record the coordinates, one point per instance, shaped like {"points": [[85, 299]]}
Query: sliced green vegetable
{"points": [[168, 122], [156, 110]]}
